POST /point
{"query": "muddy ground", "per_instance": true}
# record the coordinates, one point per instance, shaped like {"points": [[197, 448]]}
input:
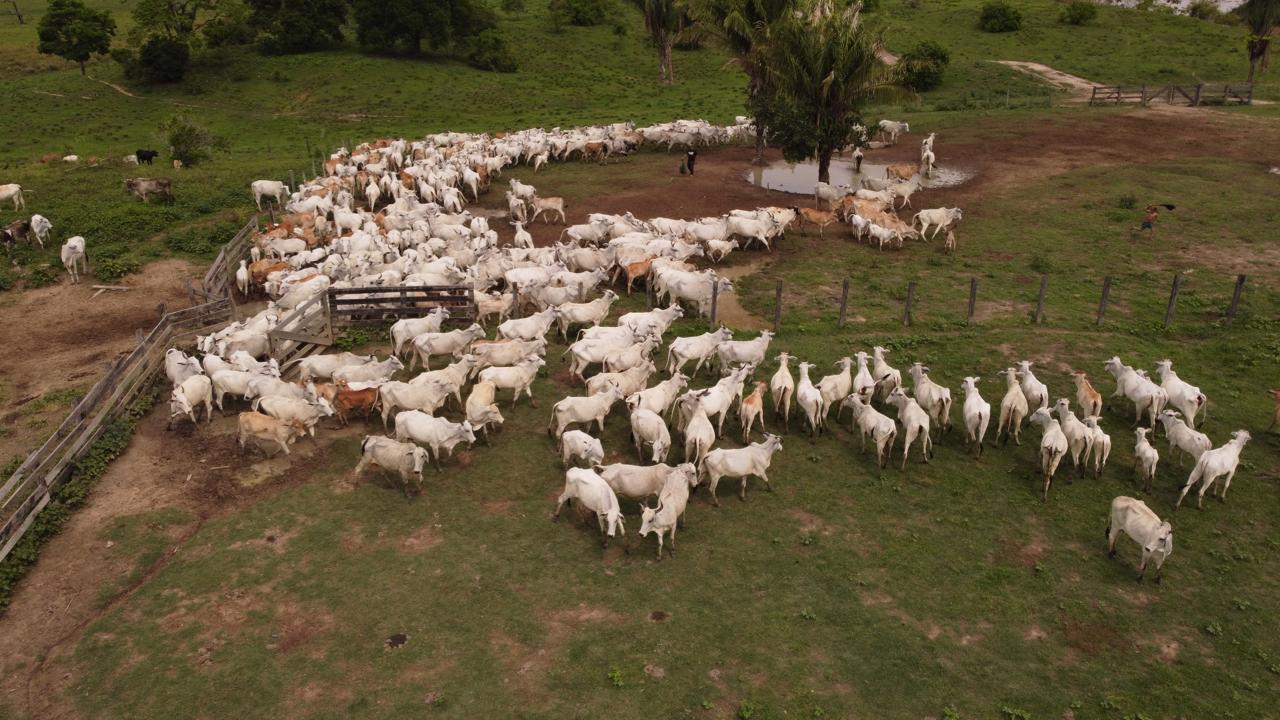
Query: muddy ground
{"points": [[59, 336]]}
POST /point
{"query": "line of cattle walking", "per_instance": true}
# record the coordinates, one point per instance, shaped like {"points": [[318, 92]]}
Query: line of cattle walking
{"points": [[409, 240]]}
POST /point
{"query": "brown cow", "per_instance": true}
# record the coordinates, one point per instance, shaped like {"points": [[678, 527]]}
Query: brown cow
{"points": [[260, 270], [354, 400], [594, 151], [821, 218], [901, 171], [266, 429], [154, 186], [636, 270]]}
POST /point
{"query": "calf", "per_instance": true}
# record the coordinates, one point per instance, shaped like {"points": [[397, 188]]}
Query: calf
{"points": [[1145, 458], [751, 409], [362, 401]]}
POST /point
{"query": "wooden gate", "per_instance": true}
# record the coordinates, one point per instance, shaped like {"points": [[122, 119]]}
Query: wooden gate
{"points": [[376, 305]]}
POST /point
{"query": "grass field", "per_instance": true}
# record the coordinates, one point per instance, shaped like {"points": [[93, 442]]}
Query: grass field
{"points": [[945, 590], [849, 592]]}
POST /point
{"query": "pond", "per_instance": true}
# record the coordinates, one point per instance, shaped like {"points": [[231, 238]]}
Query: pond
{"points": [[800, 178]]}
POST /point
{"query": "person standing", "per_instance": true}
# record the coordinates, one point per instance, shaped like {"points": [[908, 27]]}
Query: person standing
{"points": [[689, 158]]}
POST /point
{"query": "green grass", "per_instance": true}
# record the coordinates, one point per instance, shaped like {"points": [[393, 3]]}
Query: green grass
{"points": [[847, 593]]}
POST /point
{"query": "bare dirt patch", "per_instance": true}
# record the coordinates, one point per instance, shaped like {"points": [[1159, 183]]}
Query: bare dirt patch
{"points": [[1078, 87], [527, 666]]}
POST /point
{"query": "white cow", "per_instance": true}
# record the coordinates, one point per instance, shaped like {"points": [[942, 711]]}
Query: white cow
{"points": [[405, 330], [648, 428], [405, 459], [13, 191], [73, 257], [1053, 446], [1135, 519], [781, 388], [439, 435], [977, 413], [1214, 464], [289, 409], [595, 495], [577, 445], [672, 501], [188, 395], [323, 366], [1013, 408], [741, 463], [574, 410], [178, 366], [268, 188], [940, 219]]}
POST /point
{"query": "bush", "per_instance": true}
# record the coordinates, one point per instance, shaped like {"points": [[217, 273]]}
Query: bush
{"points": [[999, 16], [512, 6], [115, 268], [489, 51], [40, 277], [189, 142], [1204, 10], [163, 60], [580, 12], [1079, 12], [922, 67]]}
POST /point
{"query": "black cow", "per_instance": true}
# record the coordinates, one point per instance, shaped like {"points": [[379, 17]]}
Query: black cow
{"points": [[13, 232], [146, 156]]}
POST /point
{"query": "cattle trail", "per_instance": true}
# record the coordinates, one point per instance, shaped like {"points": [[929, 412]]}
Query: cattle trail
{"points": [[113, 86]]}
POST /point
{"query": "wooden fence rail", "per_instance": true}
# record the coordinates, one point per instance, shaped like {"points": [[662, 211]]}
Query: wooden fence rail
{"points": [[221, 275], [1193, 95], [30, 488], [366, 305]]}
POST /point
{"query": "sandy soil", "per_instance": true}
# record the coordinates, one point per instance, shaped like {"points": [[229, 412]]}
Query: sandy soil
{"points": [[1079, 88]]}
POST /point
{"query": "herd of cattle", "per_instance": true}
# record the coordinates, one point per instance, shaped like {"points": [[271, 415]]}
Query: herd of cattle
{"points": [[377, 220]]}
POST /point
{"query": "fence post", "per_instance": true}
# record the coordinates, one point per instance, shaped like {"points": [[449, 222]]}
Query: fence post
{"points": [[1173, 299], [1235, 299], [1038, 318], [271, 213], [328, 314], [911, 294], [844, 300], [648, 294], [777, 306], [292, 184], [1196, 100], [515, 300], [715, 299], [973, 297], [1106, 294]]}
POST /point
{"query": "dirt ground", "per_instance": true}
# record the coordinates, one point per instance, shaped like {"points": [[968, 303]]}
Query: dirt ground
{"points": [[59, 336]]}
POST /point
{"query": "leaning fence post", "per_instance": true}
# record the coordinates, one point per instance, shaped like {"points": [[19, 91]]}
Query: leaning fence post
{"points": [[648, 294], [715, 299], [1106, 294], [844, 300], [515, 300], [1173, 299], [777, 306], [292, 185], [973, 297], [1235, 299], [271, 213], [1044, 287], [911, 294]]}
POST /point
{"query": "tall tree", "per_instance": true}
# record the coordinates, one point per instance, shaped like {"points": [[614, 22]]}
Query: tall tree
{"points": [[1261, 17], [662, 20], [74, 32], [824, 68], [743, 26], [291, 26], [179, 20]]}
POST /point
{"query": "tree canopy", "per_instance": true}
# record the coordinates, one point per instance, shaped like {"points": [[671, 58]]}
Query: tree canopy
{"points": [[824, 68], [1261, 17], [75, 32]]}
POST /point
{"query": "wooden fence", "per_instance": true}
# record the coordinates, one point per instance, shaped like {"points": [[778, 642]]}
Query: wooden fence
{"points": [[31, 487], [1193, 95], [371, 305], [221, 275], [1037, 316]]}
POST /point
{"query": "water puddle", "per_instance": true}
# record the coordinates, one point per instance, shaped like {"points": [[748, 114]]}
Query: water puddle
{"points": [[800, 178], [728, 310]]}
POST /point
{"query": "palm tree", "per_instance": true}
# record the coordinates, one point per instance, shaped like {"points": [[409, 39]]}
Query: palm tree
{"points": [[663, 20], [824, 68], [743, 27], [1261, 17]]}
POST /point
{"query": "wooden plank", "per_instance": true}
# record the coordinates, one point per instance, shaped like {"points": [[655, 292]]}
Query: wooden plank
{"points": [[1106, 295], [1173, 300], [300, 337], [1235, 299]]}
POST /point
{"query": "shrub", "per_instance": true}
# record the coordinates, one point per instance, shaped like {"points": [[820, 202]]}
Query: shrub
{"points": [[6, 280], [164, 60], [40, 277], [580, 12], [923, 66], [999, 16], [1127, 202], [1079, 12], [114, 268], [489, 51], [188, 141], [512, 6]]}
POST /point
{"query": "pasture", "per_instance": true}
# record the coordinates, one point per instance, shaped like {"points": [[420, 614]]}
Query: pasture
{"points": [[199, 582], [269, 588]]}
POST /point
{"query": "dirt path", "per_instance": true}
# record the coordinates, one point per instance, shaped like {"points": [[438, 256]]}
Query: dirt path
{"points": [[1078, 87], [113, 86]]}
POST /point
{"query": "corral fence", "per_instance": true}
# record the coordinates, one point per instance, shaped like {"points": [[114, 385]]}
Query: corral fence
{"points": [[31, 487], [1192, 95], [316, 323], [1037, 316], [220, 278]]}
